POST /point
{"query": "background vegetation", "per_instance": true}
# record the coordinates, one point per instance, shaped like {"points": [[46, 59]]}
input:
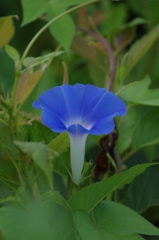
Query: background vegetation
{"points": [[131, 28]]}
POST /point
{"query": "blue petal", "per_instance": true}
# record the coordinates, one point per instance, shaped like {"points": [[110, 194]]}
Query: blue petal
{"points": [[104, 126], [64, 101], [77, 129], [92, 95], [107, 106], [73, 96], [89, 108], [52, 121], [54, 101], [37, 104]]}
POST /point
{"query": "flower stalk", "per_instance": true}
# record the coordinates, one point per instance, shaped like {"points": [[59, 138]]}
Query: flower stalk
{"points": [[77, 151]]}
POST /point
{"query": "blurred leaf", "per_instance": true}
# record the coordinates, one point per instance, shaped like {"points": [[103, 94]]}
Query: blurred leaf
{"points": [[33, 10], [57, 198], [7, 179], [68, 3], [41, 155], [115, 19], [146, 130], [36, 132], [114, 221], [7, 72], [82, 47], [30, 62], [136, 21], [63, 29], [29, 79], [97, 74], [123, 219], [63, 226], [17, 223], [126, 127], [139, 92], [6, 140], [138, 128], [60, 144], [13, 53], [27, 83], [8, 199], [123, 38], [89, 197], [138, 49], [143, 192], [150, 10], [97, 66], [85, 227], [6, 29]]}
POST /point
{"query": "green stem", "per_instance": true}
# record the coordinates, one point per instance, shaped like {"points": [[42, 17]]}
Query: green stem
{"points": [[14, 89], [48, 24]]}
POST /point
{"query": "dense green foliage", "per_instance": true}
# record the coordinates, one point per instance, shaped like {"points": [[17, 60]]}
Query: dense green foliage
{"points": [[40, 47]]}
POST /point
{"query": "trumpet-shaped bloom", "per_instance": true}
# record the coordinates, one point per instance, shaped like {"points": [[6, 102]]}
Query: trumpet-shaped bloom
{"points": [[80, 110]]}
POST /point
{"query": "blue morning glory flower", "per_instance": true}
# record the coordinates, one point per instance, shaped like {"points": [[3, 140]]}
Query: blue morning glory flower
{"points": [[80, 110]]}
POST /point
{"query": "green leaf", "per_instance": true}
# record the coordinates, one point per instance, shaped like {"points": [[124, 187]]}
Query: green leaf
{"points": [[8, 199], [60, 144], [113, 221], [63, 29], [30, 77], [6, 140], [130, 130], [113, 23], [136, 21], [31, 62], [139, 128], [139, 92], [122, 39], [97, 74], [41, 155], [143, 192], [13, 53], [123, 220], [31, 226], [89, 197], [63, 226], [67, 3], [150, 10], [33, 10], [57, 198], [6, 29], [146, 130], [36, 132], [85, 227], [126, 127], [138, 49]]}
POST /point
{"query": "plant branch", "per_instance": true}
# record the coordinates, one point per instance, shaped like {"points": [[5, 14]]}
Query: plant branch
{"points": [[48, 24], [37, 36], [108, 48]]}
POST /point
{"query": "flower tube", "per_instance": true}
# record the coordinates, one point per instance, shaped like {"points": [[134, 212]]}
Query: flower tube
{"points": [[80, 110]]}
